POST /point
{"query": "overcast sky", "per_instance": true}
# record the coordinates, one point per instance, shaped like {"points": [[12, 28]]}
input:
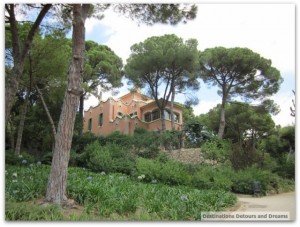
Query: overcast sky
{"points": [[268, 29]]}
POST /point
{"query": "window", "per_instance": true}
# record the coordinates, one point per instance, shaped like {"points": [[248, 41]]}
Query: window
{"points": [[167, 114], [133, 114], [176, 117], [100, 120], [90, 124], [120, 114], [147, 117], [155, 115]]}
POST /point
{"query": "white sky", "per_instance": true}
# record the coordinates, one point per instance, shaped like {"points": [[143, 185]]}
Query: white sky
{"points": [[268, 29]]}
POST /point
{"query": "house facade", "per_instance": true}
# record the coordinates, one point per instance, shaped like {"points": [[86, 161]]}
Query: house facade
{"points": [[127, 113]]}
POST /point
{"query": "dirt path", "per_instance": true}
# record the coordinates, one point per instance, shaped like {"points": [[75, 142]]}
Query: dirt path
{"points": [[279, 202]]}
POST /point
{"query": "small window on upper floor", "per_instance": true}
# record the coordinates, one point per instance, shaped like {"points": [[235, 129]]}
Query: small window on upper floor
{"points": [[120, 114]]}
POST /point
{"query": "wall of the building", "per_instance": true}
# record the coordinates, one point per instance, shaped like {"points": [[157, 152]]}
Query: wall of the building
{"points": [[126, 105]]}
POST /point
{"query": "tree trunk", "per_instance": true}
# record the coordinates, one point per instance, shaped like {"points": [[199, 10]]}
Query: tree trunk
{"points": [[163, 120], [172, 108], [222, 118], [80, 116], [21, 125], [47, 111], [11, 87], [19, 53], [57, 182]]}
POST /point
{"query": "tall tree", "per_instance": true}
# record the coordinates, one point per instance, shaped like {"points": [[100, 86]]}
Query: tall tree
{"points": [[20, 49], [102, 68], [163, 62], [238, 72], [57, 182]]}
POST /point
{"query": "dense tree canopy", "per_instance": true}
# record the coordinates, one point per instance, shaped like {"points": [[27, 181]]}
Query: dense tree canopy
{"points": [[238, 71], [165, 62]]}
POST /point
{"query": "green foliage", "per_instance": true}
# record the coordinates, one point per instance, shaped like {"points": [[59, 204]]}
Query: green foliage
{"points": [[122, 140], [30, 212], [79, 142], [146, 144], [235, 71], [196, 132], [239, 67], [168, 172], [25, 183], [243, 180], [114, 197], [217, 150], [244, 155], [171, 139], [158, 13], [164, 63], [280, 142], [108, 158], [286, 167], [211, 177], [22, 159], [118, 194]]}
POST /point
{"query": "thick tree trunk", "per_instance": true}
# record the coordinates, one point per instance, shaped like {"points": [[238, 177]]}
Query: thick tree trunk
{"points": [[80, 116], [21, 125], [163, 120], [57, 182], [222, 118]]}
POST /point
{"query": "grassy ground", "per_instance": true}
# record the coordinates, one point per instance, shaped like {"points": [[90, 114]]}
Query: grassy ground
{"points": [[100, 196]]}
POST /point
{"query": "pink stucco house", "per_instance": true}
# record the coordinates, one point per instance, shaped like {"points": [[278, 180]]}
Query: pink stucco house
{"points": [[126, 113]]}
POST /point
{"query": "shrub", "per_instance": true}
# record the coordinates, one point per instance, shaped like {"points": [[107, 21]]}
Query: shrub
{"points": [[22, 159], [47, 158], [80, 142], [108, 158], [122, 140], [216, 149], [146, 144], [171, 139], [168, 172], [243, 180], [211, 177], [286, 168]]}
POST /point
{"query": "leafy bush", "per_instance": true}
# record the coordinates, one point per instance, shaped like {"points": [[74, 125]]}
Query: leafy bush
{"points": [[171, 139], [108, 158], [80, 142], [47, 158], [168, 172], [243, 180], [286, 167], [22, 159], [146, 144], [211, 177], [216, 149], [120, 139]]}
